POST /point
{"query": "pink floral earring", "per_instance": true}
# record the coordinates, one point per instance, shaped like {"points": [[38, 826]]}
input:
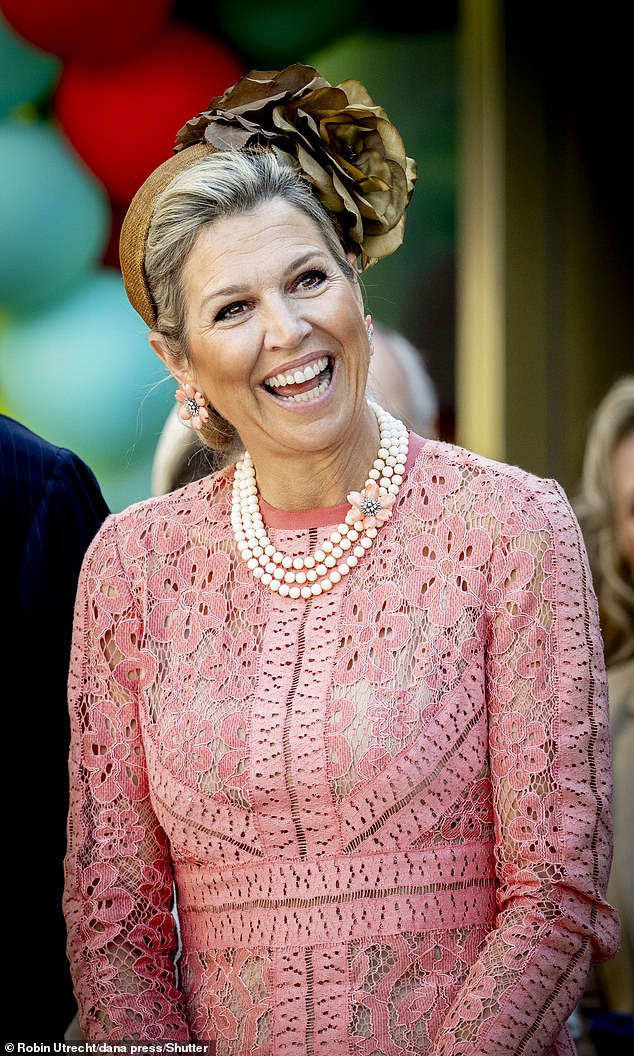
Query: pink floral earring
{"points": [[193, 406]]}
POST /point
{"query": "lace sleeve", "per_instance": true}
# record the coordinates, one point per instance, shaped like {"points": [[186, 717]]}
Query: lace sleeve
{"points": [[118, 884], [550, 768]]}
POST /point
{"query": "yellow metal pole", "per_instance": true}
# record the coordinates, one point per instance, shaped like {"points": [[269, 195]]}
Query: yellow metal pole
{"points": [[480, 353]]}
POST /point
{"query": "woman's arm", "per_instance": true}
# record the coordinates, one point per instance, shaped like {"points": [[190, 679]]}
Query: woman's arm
{"points": [[550, 768], [118, 881]]}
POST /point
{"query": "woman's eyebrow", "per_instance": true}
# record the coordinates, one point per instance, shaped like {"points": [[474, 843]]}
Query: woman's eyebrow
{"points": [[233, 290]]}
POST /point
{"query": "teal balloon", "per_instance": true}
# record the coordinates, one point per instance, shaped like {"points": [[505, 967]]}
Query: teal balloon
{"points": [[28, 74], [55, 217], [279, 32], [82, 373]]}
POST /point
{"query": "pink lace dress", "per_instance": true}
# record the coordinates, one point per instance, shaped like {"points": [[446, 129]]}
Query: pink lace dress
{"points": [[384, 811]]}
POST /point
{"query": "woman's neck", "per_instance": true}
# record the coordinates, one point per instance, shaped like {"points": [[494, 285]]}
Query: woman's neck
{"points": [[307, 480]]}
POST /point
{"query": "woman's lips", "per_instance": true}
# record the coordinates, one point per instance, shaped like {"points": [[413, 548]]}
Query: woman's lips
{"points": [[303, 383]]}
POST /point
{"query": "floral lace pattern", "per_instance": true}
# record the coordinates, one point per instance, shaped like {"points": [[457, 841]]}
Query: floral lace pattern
{"points": [[384, 811]]}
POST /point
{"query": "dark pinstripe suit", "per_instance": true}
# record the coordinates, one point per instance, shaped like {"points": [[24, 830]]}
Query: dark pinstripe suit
{"points": [[50, 508]]}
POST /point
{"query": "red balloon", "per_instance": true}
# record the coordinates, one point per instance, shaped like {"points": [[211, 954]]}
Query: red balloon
{"points": [[122, 119], [87, 30]]}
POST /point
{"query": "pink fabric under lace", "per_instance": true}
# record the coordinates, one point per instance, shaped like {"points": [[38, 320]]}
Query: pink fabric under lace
{"points": [[384, 811]]}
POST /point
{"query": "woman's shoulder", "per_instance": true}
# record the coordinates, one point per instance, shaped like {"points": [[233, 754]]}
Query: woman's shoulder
{"points": [[489, 491], [472, 466]]}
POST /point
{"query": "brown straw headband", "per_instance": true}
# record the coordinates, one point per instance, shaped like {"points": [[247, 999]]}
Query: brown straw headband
{"points": [[136, 226]]}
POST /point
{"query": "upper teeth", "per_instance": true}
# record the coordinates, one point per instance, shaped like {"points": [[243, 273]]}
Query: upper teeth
{"points": [[307, 373]]}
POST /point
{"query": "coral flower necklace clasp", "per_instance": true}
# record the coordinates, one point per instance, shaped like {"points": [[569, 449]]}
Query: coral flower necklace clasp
{"points": [[370, 506]]}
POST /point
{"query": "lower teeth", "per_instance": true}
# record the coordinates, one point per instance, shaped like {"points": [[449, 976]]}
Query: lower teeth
{"points": [[311, 394]]}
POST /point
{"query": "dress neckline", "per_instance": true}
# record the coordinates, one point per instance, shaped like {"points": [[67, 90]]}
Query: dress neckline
{"points": [[325, 515]]}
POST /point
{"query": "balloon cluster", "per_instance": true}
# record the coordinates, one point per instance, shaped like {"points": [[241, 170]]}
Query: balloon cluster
{"points": [[90, 100]]}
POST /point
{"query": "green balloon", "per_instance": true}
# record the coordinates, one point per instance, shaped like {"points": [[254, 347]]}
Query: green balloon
{"points": [[279, 32], [28, 74], [54, 216], [82, 373]]}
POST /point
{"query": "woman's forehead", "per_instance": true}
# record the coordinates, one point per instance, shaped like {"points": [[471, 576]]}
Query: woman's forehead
{"points": [[272, 230]]}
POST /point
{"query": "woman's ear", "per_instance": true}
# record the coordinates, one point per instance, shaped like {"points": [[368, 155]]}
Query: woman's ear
{"points": [[161, 347]]}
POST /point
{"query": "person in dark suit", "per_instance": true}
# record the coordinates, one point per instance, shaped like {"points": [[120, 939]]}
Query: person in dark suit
{"points": [[51, 506]]}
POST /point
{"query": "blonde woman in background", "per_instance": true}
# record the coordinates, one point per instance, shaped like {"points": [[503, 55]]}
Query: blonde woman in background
{"points": [[606, 511]]}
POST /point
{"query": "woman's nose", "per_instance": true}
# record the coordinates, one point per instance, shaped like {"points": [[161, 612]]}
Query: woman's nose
{"points": [[285, 326]]}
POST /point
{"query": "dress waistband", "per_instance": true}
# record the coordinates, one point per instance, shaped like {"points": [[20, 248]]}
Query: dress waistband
{"points": [[335, 899]]}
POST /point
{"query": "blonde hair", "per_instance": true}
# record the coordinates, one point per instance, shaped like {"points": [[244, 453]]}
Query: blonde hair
{"points": [[611, 422]]}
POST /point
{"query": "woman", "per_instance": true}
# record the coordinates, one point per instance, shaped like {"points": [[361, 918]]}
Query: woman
{"points": [[345, 696], [606, 511]]}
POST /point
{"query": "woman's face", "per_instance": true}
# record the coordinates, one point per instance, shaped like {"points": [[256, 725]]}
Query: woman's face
{"points": [[277, 337], [623, 480]]}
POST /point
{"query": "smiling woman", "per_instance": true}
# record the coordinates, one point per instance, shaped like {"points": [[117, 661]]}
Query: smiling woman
{"points": [[345, 695]]}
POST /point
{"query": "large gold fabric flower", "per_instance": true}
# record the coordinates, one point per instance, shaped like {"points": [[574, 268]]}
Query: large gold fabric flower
{"points": [[345, 146]]}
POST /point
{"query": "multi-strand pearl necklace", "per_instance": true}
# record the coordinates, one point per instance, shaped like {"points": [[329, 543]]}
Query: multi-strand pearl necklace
{"points": [[309, 576]]}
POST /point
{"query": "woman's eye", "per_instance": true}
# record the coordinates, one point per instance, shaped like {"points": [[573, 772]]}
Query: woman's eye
{"points": [[309, 280], [230, 311]]}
